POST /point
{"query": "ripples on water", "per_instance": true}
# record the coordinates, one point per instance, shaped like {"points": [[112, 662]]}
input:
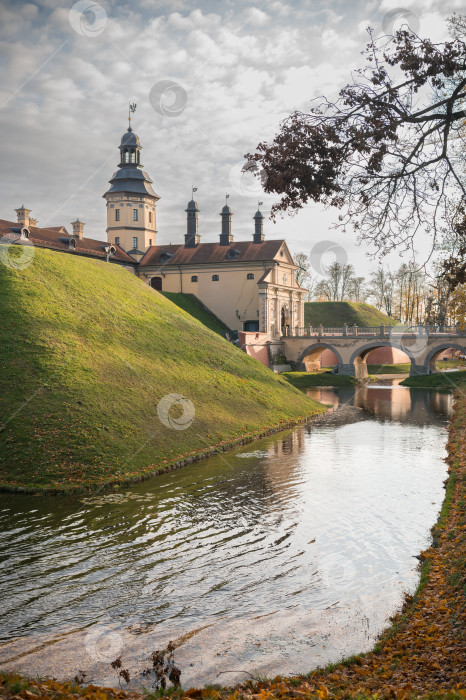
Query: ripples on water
{"points": [[291, 551]]}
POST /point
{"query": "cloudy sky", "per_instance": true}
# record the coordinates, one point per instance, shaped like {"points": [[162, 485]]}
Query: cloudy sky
{"points": [[238, 68]]}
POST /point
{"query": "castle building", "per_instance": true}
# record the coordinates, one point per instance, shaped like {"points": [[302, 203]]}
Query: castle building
{"points": [[248, 284]]}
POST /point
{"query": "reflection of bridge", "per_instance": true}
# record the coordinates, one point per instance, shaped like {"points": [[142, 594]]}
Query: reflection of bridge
{"points": [[351, 345]]}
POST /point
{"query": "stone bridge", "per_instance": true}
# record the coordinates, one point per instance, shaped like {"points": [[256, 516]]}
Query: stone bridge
{"points": [[352, 344]]}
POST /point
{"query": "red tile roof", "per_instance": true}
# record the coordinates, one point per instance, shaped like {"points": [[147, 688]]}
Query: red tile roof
{"points": [[57, 237], [206, 253]]}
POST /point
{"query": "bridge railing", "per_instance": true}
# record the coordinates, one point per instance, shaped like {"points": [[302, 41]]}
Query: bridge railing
{"points": [[373, 331]]}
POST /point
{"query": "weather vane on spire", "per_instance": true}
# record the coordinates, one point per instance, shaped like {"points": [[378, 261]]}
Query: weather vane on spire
{"points": [[226, 198], [259, 204], [131, 109], [193, 190]]}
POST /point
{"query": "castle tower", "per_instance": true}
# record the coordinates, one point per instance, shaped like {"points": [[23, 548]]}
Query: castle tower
{"points": [[226, 237], [258, 236], [131, 201], [191, 237]]}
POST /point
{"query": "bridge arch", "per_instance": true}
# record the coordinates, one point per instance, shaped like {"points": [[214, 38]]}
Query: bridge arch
{"points": [[432, 355], [359, 357], [313, 352]]}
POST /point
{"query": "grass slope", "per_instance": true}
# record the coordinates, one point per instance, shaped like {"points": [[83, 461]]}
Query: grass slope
{"points": [[337, 313], [303, 380], [191, 305], [88, 351], [444, 380]]}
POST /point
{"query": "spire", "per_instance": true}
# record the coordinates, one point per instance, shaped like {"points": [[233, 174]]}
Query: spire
{"points": [[258, 225], [192, 237], [131, 109], [226, 236]]}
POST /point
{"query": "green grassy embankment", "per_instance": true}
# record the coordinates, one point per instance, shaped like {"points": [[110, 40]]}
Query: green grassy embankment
{"points": [[192, 306], [304, 380], [337, 313], [88, 352], [446, 380], [404, 368]]}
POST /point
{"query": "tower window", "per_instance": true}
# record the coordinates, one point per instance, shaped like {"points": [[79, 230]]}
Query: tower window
{"points": [[135, 243], [194, 278], [117, 240], [215, 278], [135, 214], [250, 276], [150, 241], [117, 215], [150, 217]]}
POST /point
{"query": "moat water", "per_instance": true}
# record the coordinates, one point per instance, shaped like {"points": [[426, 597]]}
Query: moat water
{"points": [[277, 557]]}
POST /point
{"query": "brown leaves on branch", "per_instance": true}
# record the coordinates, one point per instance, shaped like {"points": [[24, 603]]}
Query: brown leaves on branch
{"points": [[386, 152]]}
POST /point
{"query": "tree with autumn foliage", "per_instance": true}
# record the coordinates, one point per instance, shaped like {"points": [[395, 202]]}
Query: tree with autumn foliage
{"points": [[389, 152]]}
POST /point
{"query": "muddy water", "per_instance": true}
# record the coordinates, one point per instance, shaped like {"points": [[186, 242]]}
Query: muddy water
{"points": [[274, 558]]}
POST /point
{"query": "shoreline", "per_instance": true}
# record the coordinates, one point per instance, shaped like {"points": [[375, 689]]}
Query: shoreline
{"points": [[189, 458]]}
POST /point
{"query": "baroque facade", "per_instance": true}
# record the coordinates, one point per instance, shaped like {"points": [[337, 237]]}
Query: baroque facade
{"points": [[249, 284]]}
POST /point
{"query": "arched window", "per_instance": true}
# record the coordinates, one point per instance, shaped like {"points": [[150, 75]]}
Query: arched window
{"points": [[194, 278], [250, 276], [215, 278], [117, 215]]}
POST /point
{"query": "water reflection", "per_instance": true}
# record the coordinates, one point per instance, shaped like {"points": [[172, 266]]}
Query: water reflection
{"points": [[388, 400], [277, 557]]}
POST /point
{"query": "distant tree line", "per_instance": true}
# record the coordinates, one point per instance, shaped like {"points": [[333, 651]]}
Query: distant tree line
{"points": [[408, 294]]}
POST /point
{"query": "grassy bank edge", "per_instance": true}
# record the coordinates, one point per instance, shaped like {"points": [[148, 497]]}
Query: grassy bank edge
{"points": [[439, 380], [189, 458]]}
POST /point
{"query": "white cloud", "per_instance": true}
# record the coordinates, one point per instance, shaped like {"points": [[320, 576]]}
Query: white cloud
{"points": [[244, 69], [255, 16]]}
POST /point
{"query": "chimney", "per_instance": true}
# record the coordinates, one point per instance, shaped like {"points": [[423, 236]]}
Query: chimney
{"points": [[23, 215], [78, 228], [258, 227], [192, 237], [226, 236]]}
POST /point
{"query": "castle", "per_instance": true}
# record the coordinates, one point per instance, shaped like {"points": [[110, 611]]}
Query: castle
{"points": [[250, 285]]}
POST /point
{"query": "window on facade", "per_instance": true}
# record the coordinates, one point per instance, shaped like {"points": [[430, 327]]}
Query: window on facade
{"points": [[117, 214], [215, 278], [135, 242], [117, 240], [250, 276], [135, 214], [150, 217], [194, 278], [150, 241]]}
